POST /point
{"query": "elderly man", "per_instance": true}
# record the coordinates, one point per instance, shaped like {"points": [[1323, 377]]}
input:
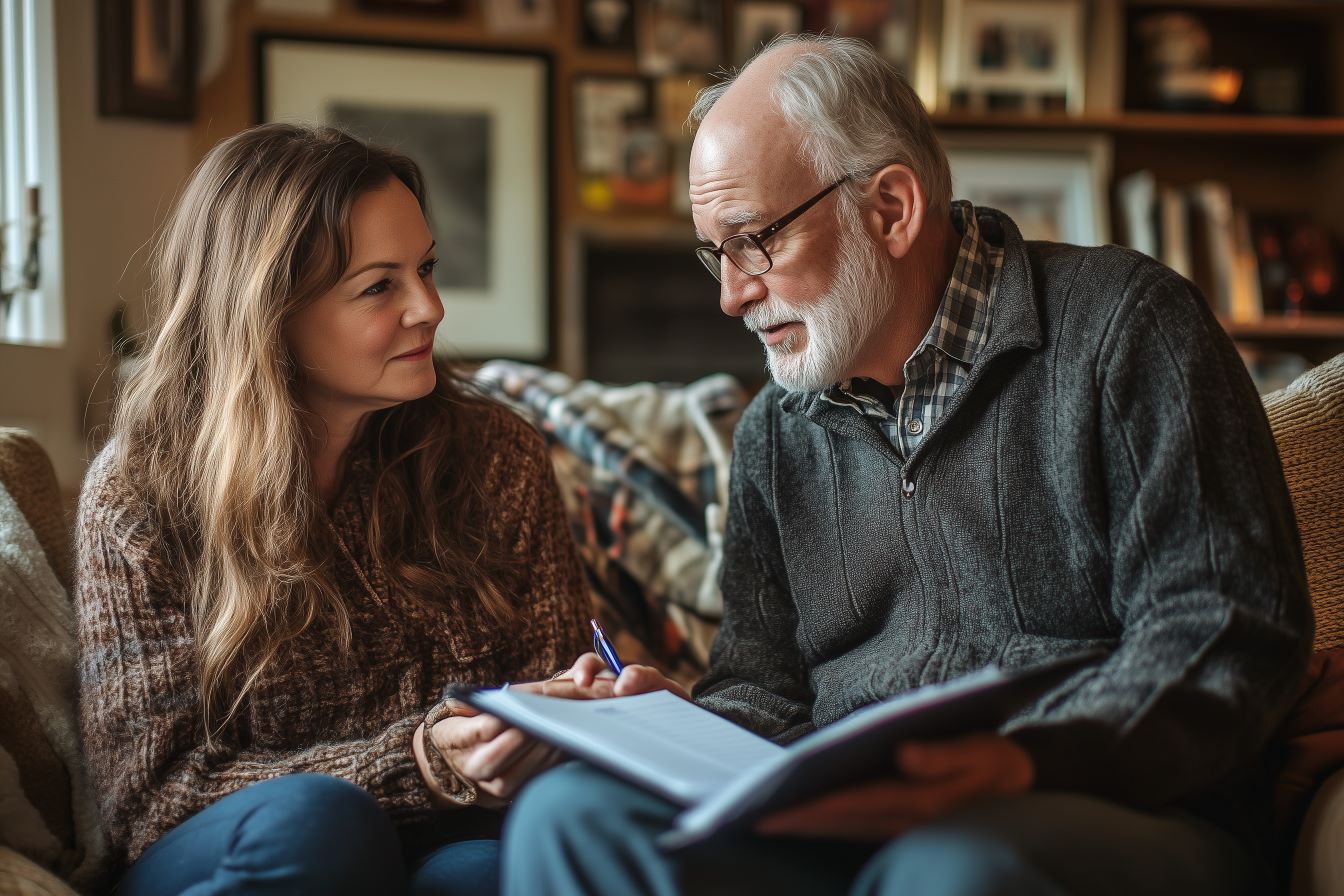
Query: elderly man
{"points": [[976, 450]]}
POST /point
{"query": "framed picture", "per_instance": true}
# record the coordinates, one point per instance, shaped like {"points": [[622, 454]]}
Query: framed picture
{"points": [[1054, 188], [676, 36], [607, 25], [1022, 55], [889, 25], [605, 110], [757, 23], [519, 16], [147, 58], [437, 7], [478, 124]]}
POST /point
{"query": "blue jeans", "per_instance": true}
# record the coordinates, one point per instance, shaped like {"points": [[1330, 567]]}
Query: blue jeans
{"points": [[308, 834], [576, 830]]}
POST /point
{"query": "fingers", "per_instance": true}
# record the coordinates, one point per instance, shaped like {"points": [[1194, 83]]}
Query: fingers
{"points": [[492, 759], [997, 763], [570, 689], [457, 733], [458, 708], [527, 765], [878, 811], [585, 669], [635, 679]]}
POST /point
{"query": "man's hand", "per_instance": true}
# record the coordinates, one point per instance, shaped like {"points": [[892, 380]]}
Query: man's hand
{"points": [[935, 778], [633, 679], [490, 753]]}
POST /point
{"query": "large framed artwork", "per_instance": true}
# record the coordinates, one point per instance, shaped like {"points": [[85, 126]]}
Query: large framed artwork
{"points": [[479, 125], [147, 58], [1053, 187]]}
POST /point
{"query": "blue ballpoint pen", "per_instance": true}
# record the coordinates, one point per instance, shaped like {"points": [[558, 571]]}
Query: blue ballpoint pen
{"points": [[602, 647]]}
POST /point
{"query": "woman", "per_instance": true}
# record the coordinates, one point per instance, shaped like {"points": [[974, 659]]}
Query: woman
{"points": [[302, 528]]}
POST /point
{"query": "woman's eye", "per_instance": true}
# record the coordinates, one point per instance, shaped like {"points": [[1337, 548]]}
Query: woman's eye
{"points": [[378, 288], [428, 267]]}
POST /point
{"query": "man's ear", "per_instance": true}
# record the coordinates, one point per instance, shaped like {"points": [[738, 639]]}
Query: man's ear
{"points": [[895, 213]]}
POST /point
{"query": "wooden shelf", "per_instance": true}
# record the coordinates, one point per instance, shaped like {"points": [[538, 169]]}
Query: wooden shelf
{"points": [[1155, 123], [1307, 326]]}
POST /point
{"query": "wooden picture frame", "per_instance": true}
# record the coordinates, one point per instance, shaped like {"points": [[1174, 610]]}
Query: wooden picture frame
{"points": [[1013, 55], [1055, 187], [479, 124], [675, 37], [147, 59]]}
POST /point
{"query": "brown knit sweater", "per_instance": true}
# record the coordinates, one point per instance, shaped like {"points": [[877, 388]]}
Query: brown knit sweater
{"points": [[315, 711]]}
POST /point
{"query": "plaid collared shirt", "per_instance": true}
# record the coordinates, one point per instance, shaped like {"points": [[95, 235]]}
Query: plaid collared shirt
{"points": [[942, 360]]}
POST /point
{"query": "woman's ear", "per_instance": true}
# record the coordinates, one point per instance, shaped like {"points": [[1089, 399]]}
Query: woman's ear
{"points": [[895, 212]]}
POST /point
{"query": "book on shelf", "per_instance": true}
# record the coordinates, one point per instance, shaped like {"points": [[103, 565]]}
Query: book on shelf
{"points": [[727, 777], [1299, 265], [1199, 232]]}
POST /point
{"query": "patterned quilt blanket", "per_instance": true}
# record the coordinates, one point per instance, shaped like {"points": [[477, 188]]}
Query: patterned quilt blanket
{"points": [[644, 474]]}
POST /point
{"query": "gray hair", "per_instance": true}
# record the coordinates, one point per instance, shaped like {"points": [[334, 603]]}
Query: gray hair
{"points": [[854, 112]]}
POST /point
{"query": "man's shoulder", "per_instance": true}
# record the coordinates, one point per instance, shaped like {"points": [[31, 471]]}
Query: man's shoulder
{"points": [[1108, 271], [1086, 294]]}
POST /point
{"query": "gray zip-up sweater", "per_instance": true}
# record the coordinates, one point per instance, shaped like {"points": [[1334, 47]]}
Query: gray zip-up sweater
{"points": [[1105, 477]]}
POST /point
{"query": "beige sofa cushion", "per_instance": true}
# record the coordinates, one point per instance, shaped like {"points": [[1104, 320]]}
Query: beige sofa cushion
{"points": [[46, 810], [19, 876], [27, 472], [1308, 422]]}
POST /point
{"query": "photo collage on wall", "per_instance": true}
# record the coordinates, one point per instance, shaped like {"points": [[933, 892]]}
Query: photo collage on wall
{"points": [[632, 135], [639, 65]]}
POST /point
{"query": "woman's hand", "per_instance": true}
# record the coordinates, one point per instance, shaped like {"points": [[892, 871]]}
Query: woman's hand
{"points": [[935, 778], [494, 756], [634, 679]]}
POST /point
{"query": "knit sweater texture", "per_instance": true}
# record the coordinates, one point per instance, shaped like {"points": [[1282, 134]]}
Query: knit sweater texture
{"points": [[1106, 478], [315, 710]]}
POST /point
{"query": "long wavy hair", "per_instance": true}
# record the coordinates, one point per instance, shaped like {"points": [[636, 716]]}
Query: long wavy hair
{"points": [[212, 432]]}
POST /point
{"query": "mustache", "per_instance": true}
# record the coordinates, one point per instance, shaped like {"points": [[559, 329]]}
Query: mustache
{"points": [[776, 313]]}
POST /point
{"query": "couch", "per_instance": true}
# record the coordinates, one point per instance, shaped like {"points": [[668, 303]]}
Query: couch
{"points": [[647, 514]]}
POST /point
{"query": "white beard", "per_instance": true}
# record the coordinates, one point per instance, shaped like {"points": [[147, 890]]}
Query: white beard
{"points": [[835, 326]]}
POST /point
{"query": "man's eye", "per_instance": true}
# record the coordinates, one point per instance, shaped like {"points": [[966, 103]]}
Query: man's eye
{"points": [[428, 267], [378, 288]]}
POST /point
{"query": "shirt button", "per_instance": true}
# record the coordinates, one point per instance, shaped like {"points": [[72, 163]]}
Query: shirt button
{"points": [[908, 488], [914, 427]]}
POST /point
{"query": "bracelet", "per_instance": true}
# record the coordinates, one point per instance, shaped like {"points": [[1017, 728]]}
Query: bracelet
{"points": [[455, 787]]}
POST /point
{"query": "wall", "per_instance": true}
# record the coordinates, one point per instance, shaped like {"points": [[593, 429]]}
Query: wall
{"points": [[117, 181]]}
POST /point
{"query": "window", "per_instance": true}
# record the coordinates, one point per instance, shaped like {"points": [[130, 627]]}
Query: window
{"points": [[30, 264]]}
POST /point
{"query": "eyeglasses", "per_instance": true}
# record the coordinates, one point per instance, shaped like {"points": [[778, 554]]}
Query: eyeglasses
{"points": [[747, 250]]}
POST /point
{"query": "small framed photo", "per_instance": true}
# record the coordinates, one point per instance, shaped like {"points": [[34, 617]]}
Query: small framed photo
{"points": [[889, 25], [606, 108], [1053, 187], [1013, 55], [477, 123], [147, 58], [645, 176], [607, 25], [680, 36], [756, 23], [519, 16]]}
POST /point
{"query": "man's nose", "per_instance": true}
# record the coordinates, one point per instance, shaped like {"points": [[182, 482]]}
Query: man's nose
{"points": [[738, 291]]}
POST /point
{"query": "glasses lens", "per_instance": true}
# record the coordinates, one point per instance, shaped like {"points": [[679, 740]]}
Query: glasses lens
{"points": [[747, 254], [711, 260]]}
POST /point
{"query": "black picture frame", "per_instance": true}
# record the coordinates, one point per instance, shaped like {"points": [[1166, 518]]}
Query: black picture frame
{"points": [[511, 314], [446, 8], [147, 59]]}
